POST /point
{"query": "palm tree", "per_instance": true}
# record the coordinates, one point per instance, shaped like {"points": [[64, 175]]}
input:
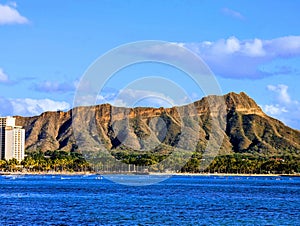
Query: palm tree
{"points": [[3, 165], [29, 163], [12, 164]]}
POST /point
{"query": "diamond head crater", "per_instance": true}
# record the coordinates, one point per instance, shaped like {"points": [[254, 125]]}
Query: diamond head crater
{"points": [[246, 140]]}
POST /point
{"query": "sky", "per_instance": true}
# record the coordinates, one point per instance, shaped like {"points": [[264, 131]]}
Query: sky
{"points": [[46, 47]]}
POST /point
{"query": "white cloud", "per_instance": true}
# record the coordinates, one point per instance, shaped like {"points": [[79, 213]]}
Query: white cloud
{"points": [[3, 76], [284, 107], [29, 107], [139, 97], [243, 58], [274, 109], [282, 91], [232, 45], [133, 98], [232, 13], [254, 48], [106, 97], [287, 46], [10, 15]]}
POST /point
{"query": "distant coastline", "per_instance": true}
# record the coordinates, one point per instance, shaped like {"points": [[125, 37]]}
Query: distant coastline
{"points": [[227, 174], [48, 173], [150, 174]]}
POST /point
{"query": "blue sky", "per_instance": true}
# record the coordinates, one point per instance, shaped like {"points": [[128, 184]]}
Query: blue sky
{"points": [[251, 46]]}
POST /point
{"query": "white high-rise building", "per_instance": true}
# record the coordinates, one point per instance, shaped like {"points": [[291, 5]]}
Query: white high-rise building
{"points": [[12, 139]]}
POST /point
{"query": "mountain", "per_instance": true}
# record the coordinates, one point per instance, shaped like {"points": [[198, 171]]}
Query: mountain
{"points": [[234, 117]]}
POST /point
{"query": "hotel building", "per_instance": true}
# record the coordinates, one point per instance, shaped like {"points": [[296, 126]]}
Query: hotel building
{"points": [[12, 139]]}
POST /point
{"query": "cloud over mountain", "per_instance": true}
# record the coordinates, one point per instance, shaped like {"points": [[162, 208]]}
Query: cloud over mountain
{"points": [[284, 107], [30, 106], [234, 58]]}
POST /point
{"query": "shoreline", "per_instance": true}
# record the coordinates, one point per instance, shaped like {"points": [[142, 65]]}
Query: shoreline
{"points": [[150, 174], [218, 174], [226, 174], [47, 173]]}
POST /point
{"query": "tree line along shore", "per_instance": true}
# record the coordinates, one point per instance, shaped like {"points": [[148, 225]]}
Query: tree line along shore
{"points": [[74, 162]]}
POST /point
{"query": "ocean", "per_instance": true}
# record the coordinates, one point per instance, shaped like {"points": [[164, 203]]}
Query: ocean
{"points": [[179, 200]]}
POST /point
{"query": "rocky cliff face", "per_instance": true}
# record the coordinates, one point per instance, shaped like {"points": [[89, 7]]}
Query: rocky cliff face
{"points": [[236, 117]]}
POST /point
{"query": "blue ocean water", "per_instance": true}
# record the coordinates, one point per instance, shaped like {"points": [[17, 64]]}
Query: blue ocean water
{"points": [[180, 200]]}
